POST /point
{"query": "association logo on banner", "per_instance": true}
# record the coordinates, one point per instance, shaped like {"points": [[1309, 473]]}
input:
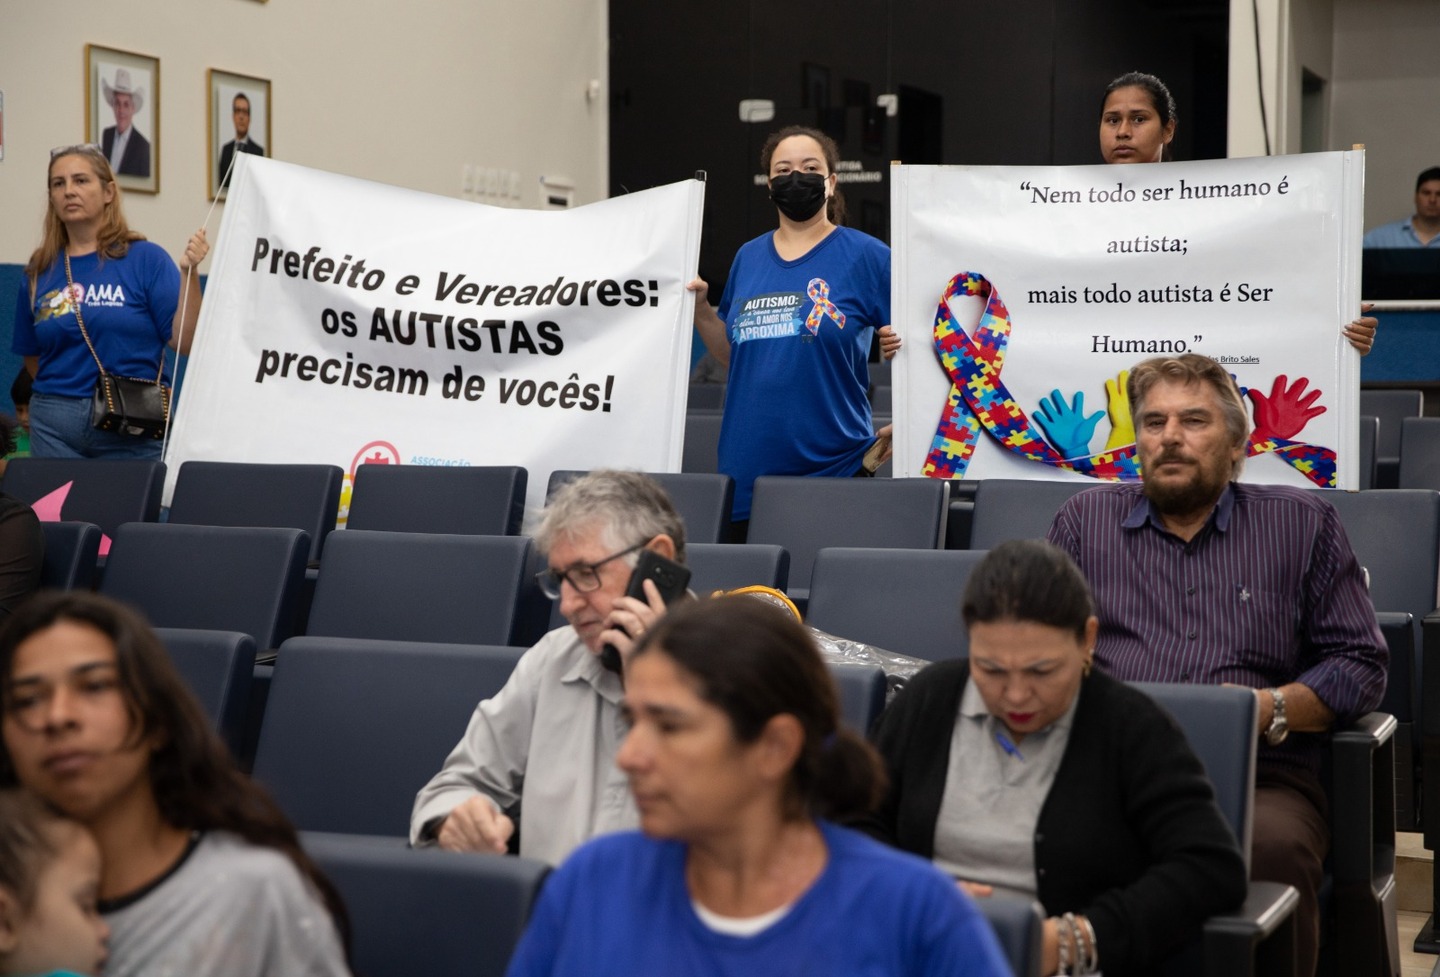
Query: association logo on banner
{"points": [[338, 309]]}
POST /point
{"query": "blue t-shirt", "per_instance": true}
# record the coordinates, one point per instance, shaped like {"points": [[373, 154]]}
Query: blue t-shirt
{"points": [[129, 306], [619, 907], [799, 338], [1397, 234]]}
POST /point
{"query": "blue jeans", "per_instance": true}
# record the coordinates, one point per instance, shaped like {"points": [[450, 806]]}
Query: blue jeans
{"points": [[60, 428]]}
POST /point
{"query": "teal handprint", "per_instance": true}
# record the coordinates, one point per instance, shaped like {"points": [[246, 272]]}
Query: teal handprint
{"points": [[1067, 427]]}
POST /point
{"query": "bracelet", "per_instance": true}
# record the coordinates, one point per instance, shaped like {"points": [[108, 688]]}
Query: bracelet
{"points": [[1078, 954]]}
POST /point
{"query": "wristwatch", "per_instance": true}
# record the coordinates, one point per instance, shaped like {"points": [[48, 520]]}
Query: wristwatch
{"points": [[1279, 728]]}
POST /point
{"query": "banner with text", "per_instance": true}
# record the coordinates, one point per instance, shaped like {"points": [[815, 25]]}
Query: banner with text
{"points": [[348, 322], [1022, 294]]}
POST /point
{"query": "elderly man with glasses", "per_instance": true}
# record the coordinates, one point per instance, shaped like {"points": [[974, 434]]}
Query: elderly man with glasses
{"points": [[546, 742]]}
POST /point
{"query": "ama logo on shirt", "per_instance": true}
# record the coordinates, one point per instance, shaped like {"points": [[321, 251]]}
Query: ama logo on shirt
{"points": [[62, 301]]}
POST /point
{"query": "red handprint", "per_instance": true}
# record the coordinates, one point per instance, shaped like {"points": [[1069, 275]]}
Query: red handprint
{"points": [[1284, 413]]}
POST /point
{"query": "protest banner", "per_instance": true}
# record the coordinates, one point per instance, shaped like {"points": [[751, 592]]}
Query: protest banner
{"points": [[1022, 294], [347, 322]]}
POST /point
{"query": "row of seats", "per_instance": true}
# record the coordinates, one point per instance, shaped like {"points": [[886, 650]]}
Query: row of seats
{"points": [[354, 727]]}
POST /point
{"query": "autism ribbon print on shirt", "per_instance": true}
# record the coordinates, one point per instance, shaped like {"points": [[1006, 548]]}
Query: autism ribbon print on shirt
{"points": [[819, 292], [979, 399]]}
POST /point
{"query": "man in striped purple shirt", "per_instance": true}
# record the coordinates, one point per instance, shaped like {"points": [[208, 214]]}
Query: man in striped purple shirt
{"points": [[1202, 579]]}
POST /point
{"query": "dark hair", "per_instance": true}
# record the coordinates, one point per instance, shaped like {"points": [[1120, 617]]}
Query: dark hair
{"points": [[238, 96], [8, 426], [1433, 173], [1028, 580], [835, 206], [1160, 99], [196, 785], [754, 661], [21, 388], [28, 843]]}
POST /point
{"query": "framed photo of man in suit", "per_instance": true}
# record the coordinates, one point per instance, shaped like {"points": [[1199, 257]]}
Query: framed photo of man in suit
{"points": [[122, 113], [239, 114]]}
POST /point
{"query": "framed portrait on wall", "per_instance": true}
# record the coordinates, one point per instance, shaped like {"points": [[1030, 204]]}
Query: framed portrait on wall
{"points": [[122, 113], [239, 117]]}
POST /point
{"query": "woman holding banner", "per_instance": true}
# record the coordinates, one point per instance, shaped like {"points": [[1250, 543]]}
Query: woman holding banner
{"points": [[1137, 125], [96, 293], [794, 325]]}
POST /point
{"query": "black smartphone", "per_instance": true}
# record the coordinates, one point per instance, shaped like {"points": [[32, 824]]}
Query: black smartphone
{"points": [[670, 578]]}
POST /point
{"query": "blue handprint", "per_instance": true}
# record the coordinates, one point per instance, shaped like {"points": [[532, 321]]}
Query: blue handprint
{"points": [[1067, 427]]}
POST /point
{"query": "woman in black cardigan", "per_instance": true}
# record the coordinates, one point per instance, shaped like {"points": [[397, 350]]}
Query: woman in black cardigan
{"points": [[1051, 782]]}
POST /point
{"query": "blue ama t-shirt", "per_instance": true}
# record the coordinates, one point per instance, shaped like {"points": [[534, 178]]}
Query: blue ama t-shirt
{"points": [[800, 335], [129, 306]]}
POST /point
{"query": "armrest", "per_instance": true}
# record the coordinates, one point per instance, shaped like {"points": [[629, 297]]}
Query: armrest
{"points": [[1257, 938], [1362, 798], [1018, 924]]}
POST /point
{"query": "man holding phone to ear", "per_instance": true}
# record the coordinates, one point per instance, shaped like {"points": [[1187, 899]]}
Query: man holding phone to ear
{"points": [[546, 742]]}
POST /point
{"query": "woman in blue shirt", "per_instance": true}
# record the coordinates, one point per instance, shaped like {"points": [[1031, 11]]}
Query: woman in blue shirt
{"points": [[92, 270], [739, 766], [794, 325]]}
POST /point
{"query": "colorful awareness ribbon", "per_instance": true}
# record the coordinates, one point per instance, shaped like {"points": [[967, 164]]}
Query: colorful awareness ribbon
{"points": [[1311, 460], [979, 399], [819, 292]]}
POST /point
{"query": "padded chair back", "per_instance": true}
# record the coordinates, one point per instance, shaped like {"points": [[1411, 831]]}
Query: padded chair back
{"points": [[1391, 407], [428, 911], [71, 549], [1219, 723], [862, 693], [106, 492], [219, 578], [1020, 928], [419, 587], [218, 666], [484, 500], [702, 442], [218, 493], [353, 729], [725, 566], [1420, 453], [1014, 508], [1369, 437], [905, 601], [702, 499], [706, 396], [804, 515]]}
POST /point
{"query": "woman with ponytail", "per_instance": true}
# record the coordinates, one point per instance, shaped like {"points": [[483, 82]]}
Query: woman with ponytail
{"points": [[1022, 773], [739, 768], [794, 326]]}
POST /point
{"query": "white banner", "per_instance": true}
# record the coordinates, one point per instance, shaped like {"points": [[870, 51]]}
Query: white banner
{"points": [[1059, 278], [346, 322]]}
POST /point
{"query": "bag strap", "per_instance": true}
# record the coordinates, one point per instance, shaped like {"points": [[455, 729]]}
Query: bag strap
{"points": [[70, 286]]}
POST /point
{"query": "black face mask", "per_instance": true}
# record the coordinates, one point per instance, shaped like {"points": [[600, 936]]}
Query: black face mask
{"points": [[798, 195]]}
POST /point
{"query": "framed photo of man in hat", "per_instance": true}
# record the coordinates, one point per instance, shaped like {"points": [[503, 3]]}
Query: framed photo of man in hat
{"points": [[239, 115], [122, 112]]}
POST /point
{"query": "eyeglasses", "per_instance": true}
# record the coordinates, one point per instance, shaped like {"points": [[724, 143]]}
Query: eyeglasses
{"points": [[81, 147], [581, 576]]}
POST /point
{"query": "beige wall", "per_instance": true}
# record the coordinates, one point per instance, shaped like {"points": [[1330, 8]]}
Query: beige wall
{"points": [[399, 92], [1379, 60], [1387, 96]]}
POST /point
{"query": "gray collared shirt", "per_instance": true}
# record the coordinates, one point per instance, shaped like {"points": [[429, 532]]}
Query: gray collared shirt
{"points": [[993, 794], [549, 739]]}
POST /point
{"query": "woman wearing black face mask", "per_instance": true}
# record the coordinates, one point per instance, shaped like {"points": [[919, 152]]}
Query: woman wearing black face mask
{"points": [[794, 325]]}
